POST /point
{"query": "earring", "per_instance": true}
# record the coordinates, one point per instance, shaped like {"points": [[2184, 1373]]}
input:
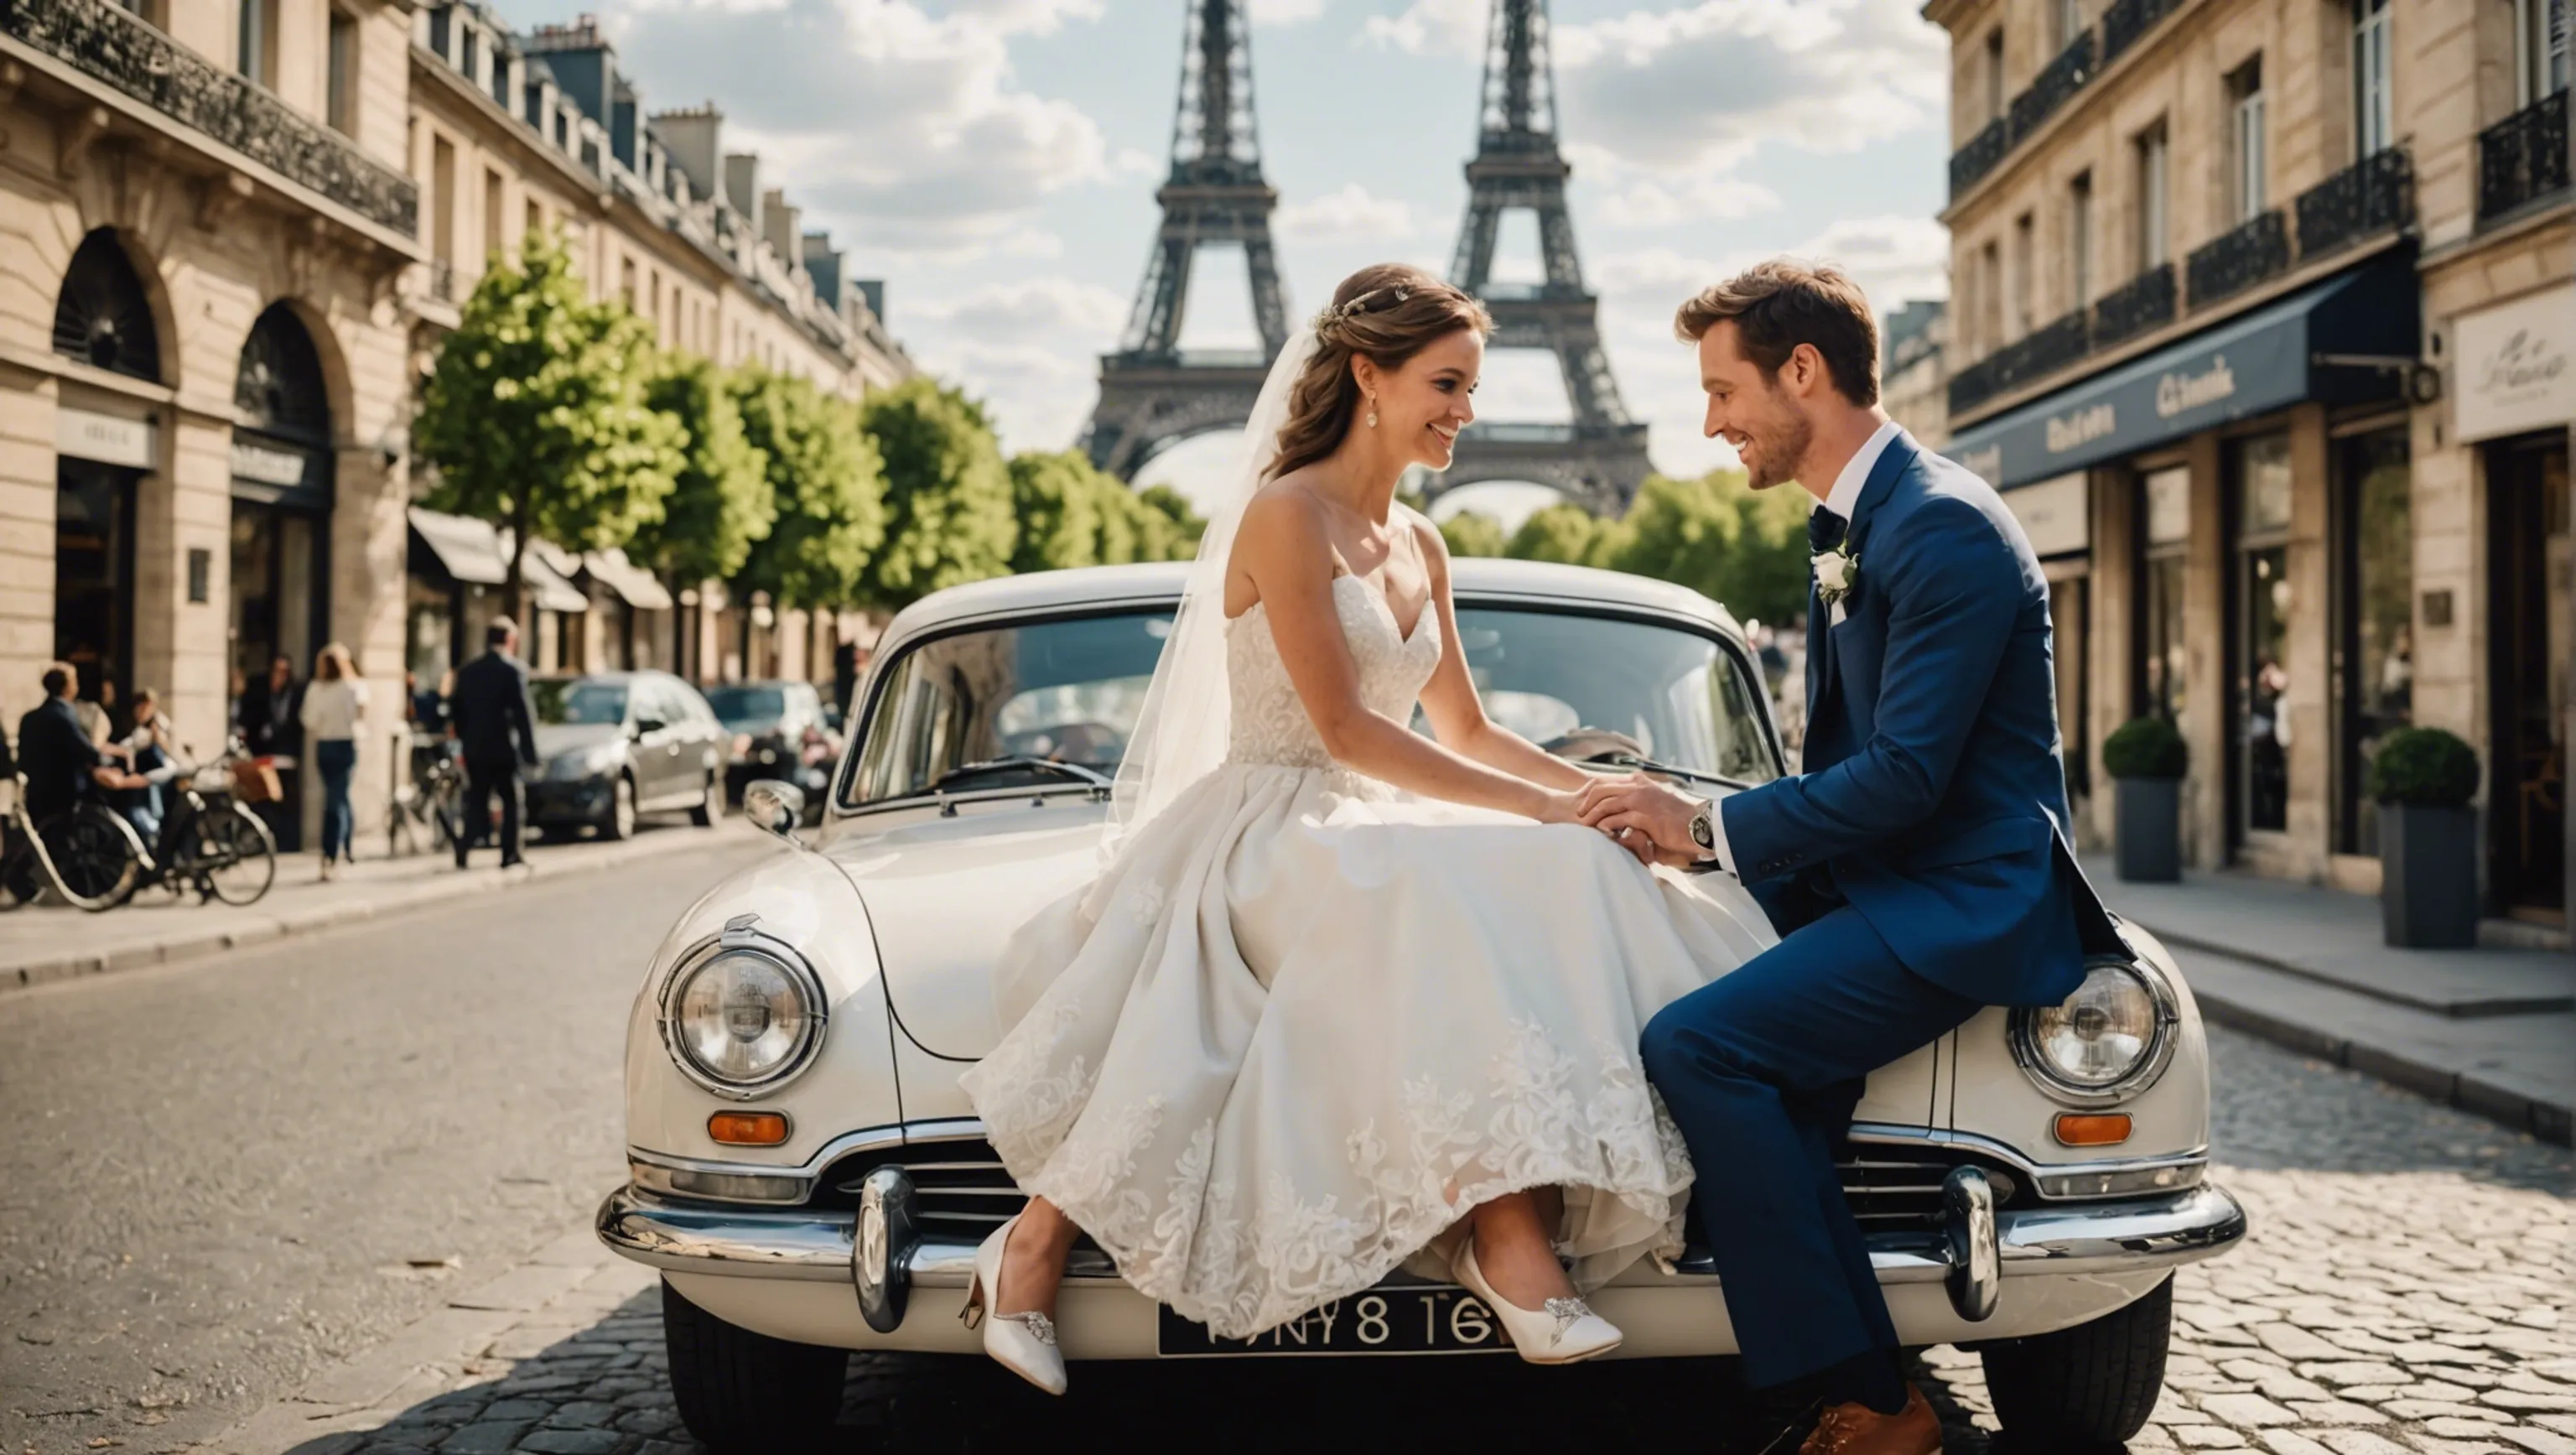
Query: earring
{"points": [[1372, 411]]}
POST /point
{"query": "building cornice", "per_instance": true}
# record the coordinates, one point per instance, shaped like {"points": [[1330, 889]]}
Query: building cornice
{"points": [[425, 63], [2511, 233]]}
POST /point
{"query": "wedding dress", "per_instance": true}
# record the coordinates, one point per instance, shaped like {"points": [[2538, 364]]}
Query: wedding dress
{"points": [[1304, 1022]]}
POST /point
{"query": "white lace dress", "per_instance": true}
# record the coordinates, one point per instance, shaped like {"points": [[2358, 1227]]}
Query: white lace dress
{"points": [[1304, 1021]]}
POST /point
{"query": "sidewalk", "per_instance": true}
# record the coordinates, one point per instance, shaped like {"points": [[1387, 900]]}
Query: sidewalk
{"points": [[2491, 1030], [44, 943]]}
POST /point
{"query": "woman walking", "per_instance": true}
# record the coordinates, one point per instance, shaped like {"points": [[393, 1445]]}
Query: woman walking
{"points": [[332, 706]]}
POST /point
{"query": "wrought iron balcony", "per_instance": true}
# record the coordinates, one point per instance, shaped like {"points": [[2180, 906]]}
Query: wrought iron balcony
{"points": [[2520, 159], [2126, 20], [2372, 196], [106, 43], [2064, 77], [2035, 355], [2144, 302], [2238, 259], [1970, 163]]}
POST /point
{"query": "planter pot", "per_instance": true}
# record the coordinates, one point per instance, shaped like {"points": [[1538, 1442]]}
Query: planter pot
{"points": [[2428, 876], [2148, 834]]}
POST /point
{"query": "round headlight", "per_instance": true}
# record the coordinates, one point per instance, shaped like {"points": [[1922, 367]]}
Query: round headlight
{"points": [[742, 1020], [2108, 1040]]}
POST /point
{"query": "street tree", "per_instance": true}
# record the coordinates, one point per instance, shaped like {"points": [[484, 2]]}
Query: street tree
{"points": [[948, 494], [827, 488], [1073, 514], [1561, 532], [535, 415], [1473, 533], [722, 500]]}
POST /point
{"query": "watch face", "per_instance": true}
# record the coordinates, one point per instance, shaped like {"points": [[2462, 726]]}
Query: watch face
{"points": [[1701, 833]]}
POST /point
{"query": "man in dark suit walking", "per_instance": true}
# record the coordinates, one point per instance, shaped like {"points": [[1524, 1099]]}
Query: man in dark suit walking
{"points": [[491, 719]]}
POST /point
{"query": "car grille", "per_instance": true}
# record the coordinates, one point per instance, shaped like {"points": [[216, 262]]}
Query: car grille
{"points": [[961, 1190]]}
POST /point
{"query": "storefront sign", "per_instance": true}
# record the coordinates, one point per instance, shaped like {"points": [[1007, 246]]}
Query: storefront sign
{"points": [[2055, 514], [267, 465], [2517, 366], [2243, 367], [110, 439]]}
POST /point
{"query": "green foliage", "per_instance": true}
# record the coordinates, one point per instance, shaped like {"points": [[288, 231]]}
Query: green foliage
{"points": [[535, 415], [948, 495], [2424, 766], [2145, 747], [1721, 539], [1563, 533], [1071, 514], [827, 488], [722, 500], [1470, 533]]}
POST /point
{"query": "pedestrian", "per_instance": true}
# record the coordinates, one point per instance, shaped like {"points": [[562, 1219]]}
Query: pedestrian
{"points": [[150, 749], [332, 705], [493, 722], [269, 718], [54, 751]]}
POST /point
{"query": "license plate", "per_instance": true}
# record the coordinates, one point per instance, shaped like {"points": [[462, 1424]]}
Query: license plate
{"points": [[1381, 1321]]}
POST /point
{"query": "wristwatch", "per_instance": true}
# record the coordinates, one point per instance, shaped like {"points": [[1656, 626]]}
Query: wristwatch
{"points": [[1703, 832]]}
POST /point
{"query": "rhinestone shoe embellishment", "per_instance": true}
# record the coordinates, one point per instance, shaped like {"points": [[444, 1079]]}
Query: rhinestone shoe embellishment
{"points": [[1565, 1311], [1040, 1327]]}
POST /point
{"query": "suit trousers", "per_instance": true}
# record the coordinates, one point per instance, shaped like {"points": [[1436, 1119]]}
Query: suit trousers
{"points": [[1760, 1071], [482, 781]]}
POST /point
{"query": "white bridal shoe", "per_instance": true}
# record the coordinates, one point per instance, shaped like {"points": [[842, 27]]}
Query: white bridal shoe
{"points": [[1565, 1331], [1021, 1343]]}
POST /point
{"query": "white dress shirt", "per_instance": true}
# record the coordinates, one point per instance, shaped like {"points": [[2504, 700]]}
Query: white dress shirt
{"points": [[1842, 500]]}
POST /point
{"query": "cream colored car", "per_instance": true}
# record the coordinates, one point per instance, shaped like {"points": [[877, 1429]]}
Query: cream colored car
{"points": [[809, 1179]]}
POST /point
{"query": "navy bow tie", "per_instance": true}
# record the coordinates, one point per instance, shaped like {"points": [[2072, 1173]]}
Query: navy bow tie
{"points": [[1824, 530]]}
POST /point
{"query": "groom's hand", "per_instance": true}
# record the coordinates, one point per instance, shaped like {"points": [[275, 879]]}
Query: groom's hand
{"points": [[1643, 805]]}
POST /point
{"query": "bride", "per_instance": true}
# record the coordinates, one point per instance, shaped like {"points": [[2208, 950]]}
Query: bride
{"points": [[1343, 996]]}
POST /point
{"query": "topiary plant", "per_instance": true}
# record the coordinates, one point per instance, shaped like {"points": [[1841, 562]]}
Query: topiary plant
{"points": [[2424, 766], [2145, 747]]}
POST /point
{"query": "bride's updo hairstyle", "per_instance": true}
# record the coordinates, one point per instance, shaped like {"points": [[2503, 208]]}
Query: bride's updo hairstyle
{"points": [[1388, 312]]}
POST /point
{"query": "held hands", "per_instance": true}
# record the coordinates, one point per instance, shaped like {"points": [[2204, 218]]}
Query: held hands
{"points": [[1647, 816]]}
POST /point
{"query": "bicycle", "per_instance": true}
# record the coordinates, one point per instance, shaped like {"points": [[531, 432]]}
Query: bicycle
{"points": [[428, 805], [88, 861], [209, 840]]}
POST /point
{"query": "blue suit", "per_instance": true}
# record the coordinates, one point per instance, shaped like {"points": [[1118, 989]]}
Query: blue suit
{"points": [[1918, 873]]}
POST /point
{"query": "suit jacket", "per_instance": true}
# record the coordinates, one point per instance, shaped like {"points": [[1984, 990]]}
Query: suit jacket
{"points": [[490, 711], [54, 753], [272, 718], [1933, 800]]}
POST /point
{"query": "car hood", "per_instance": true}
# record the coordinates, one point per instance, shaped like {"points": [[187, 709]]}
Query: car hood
{"points": [[556, 739], [944, 895]]}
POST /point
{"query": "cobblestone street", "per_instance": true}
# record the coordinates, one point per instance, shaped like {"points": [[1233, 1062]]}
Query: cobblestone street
{"points": [[2404, 1290]]}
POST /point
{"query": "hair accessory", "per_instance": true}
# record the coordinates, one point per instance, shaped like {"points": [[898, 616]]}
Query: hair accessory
{"points": [[1340, 313]]}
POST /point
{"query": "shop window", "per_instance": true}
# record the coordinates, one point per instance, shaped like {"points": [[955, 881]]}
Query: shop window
{"points": [[2163, 651], [2264, 602], [2375, 627], [2530, 615], [102, 317], [94, 574]]}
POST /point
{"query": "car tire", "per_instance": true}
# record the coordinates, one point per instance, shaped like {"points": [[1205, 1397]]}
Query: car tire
{"points": [[744, 1392], [2093, 1384], [711, 804], [620, 823]]}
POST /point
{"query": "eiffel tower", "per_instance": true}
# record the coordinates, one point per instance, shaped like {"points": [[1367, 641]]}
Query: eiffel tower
{"points": [[1600, 458], [1152, 395]]}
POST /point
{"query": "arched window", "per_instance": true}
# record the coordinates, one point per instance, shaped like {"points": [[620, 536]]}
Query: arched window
{"points": [[280, 384], [104, 318]]}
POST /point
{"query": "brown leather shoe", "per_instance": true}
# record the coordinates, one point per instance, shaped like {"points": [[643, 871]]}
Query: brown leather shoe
{"points": [[1856, 1429]]}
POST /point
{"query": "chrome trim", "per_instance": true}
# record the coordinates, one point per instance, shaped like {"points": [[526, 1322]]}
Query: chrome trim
{"points": [[818, 1247], [742, 935], [2194, 1162], [807, 1173], [882, 1246], [2151, 1064], [1974, 1249]]}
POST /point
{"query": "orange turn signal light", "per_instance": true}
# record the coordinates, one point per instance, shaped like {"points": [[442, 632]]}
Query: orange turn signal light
{"points": [[2085, 1129], [763, 1128]]}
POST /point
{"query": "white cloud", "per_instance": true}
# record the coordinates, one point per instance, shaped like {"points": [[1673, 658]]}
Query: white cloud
{"points": [[1427, 27], [1349, 215], [1286, 12], [1028, 347]]}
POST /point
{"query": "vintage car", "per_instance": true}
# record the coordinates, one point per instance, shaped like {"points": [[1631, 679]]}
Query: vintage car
{"points": [[809, 1180]]}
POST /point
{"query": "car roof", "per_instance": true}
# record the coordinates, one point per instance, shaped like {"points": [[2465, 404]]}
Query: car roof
{"points": [[1470, 577]]}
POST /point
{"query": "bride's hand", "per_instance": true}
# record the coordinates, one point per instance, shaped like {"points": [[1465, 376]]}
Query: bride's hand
{"points": [[1556, 807]]}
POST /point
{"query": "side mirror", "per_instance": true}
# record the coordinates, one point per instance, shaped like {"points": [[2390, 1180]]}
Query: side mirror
{"points": [[774, 806], [645, 725]]}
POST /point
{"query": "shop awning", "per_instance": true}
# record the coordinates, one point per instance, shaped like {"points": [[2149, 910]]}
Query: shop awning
{"points": [[547, 570], [2347, 340], [469, 549], [631, 582]]}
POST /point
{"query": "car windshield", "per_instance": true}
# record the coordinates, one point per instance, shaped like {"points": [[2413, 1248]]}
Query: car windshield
{"points": [[741, 706], [563, 701], [1580, 684]]}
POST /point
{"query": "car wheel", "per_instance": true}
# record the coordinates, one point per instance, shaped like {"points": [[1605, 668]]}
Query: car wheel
{"points": [[711, 804], [2093, 1384], [620, 823], [744, 1392]]}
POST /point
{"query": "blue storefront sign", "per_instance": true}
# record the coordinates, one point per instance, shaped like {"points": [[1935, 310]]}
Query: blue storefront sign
{"points": [[2347, 340]]}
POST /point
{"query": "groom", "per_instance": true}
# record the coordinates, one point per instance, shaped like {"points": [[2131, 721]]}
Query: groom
{"points": [[1915, 870]]}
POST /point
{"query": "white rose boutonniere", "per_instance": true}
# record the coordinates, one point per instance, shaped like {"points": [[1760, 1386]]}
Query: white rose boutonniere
{"points": [[1837, 572]]}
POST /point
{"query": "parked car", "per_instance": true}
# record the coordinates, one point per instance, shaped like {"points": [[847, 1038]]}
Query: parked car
{"points": [[617, 745], [780, 730], [809, 1180]]}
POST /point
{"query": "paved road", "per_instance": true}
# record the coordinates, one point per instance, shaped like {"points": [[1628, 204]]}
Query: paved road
{"points": [[217, 1177], [283, 1131]]}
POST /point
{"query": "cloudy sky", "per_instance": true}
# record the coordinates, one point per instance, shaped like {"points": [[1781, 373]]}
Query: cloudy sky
{"points": [[995, 161]]}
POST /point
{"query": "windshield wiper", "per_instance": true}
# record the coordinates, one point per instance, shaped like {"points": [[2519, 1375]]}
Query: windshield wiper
{"points": [[1649, 765], [1022, 763]]}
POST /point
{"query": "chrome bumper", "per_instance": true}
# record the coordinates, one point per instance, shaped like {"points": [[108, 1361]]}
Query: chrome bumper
{"points": [[881, 1255]]}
